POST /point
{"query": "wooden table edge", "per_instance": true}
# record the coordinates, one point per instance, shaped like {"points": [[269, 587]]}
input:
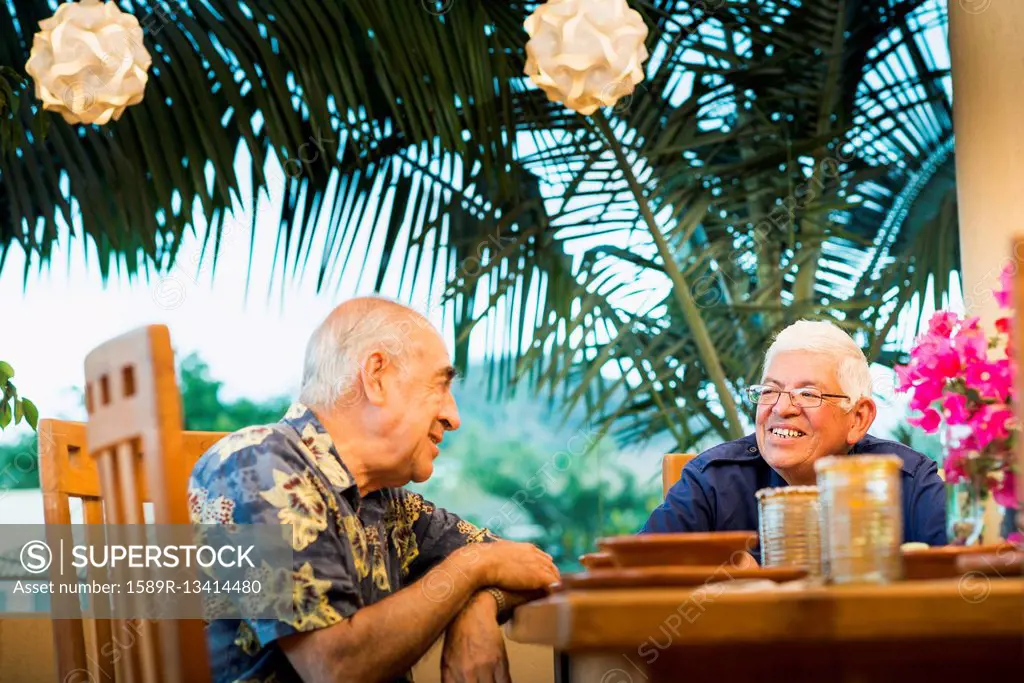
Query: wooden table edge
{"points": [[967, 606]]}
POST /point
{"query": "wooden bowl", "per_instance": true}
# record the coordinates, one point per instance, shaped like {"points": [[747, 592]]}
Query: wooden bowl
{"points": [[684, 549], [942, 562], [596, 561]]}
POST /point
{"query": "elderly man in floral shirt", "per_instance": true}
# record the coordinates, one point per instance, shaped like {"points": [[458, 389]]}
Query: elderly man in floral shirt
{"points": [[379, 572]]}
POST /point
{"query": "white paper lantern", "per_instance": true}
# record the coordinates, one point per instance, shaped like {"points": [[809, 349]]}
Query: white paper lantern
{"points": [[88, 62], [586, 53]]}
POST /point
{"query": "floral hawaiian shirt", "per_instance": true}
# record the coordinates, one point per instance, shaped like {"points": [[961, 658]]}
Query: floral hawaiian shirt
{"points": [[350, 551]]}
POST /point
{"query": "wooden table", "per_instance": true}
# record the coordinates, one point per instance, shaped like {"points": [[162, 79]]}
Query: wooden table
{"points": [[957, 630]]}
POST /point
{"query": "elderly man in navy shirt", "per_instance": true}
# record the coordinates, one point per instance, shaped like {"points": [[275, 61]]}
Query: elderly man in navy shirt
{"points": [[814, 399]]}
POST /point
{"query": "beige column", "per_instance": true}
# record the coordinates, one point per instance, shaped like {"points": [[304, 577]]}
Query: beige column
{"points": [[987, 43]]}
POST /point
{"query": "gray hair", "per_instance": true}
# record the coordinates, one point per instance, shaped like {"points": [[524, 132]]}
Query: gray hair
{"points": [[823, 337], [338, 348]]}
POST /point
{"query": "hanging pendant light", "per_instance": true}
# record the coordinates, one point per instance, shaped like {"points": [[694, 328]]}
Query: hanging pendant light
{"points": [[88, 62], [586, 53]]}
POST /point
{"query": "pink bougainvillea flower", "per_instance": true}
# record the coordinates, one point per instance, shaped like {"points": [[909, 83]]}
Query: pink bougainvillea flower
{"points": [[954, 407], [953, 466], [969, 444], [991, 380], [929, 420], [936, 358], [1004, 293], [970, 342], [991, 423], [925, 394], [956, 380], [1004, 489], [942, 323], [971, 324], [905, 376]]}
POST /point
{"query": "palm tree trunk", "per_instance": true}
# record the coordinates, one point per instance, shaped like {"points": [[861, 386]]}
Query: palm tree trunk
{"points": [[810, 254], [680, 288]]}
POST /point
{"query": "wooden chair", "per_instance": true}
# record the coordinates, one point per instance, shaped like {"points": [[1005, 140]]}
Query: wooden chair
{"points": [[672, 469], [112, 464]]}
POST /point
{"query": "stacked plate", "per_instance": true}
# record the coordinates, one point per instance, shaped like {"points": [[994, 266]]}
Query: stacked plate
{"points": [[675, 560]]}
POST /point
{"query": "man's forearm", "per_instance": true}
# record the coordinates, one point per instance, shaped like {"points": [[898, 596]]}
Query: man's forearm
{"points": [[513, 599], [384, 640]]}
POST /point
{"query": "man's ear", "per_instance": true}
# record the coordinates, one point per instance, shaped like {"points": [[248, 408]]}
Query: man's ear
{"points": [[372, 376], [863, 414]]}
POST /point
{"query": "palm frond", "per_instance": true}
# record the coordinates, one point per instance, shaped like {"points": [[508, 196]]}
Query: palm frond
{"points": [[795, 156]]}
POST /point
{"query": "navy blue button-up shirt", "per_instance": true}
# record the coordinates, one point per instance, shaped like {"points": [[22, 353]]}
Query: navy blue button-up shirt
{"points": [[716, 491]]}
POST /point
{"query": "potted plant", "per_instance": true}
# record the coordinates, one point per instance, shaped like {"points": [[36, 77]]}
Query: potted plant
{"points": [[961, 382]]}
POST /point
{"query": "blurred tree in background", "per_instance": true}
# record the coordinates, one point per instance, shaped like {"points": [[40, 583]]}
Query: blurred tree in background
{"points": [[562, 500], [19, 463], [519, 470], [205, 409]]}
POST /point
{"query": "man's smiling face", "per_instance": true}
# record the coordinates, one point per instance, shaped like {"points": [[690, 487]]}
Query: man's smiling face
{"points": [[791, 438]]}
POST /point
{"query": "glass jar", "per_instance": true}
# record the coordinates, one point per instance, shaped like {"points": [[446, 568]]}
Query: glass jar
{"points": [[965, 507], [861, 517], [788, 519]]}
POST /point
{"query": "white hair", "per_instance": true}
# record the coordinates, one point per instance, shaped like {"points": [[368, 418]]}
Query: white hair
{"points": [[338, 348], [823, 337]]}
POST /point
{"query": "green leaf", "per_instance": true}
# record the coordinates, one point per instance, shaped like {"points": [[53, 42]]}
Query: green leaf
{"points": [[31, 412], [5, 414], [6, 373], [41, 124], [19, 410]]}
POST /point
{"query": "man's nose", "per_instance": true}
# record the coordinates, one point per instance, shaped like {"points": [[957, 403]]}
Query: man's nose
{"points": [[784, 406], [449, 416]]}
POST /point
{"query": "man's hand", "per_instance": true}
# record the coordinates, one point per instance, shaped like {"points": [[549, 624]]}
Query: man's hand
{"points": [[515, 566], [474, 648]]}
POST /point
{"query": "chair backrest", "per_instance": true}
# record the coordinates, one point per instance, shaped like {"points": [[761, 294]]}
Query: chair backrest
{"points": [[672, 468], [134, 427], [69, 472], [131, 451]]}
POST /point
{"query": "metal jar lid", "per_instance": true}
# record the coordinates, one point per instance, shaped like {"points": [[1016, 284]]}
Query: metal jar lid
{"points": [[808, 491]]}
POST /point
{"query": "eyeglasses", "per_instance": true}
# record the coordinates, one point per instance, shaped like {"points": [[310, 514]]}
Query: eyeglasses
{"points": [[805, 397]]}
